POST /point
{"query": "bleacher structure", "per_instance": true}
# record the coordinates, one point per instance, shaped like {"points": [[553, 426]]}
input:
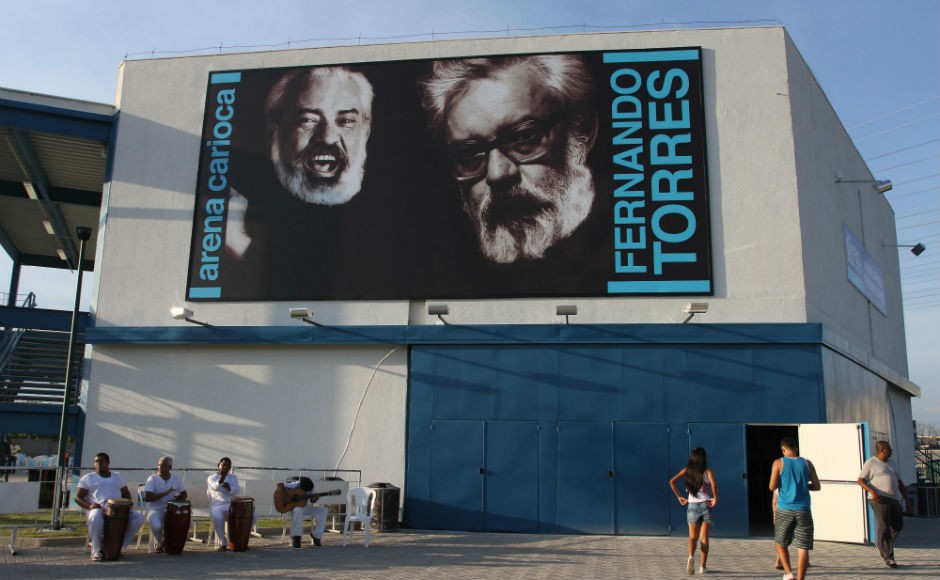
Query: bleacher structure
{"points": [[33, 362], [32, 366]]}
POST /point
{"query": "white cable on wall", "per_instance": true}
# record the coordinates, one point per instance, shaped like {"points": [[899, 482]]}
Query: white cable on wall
{"points": [[352, 428]]}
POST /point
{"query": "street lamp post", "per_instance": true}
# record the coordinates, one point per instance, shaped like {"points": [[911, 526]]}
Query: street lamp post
{"points": [[83, 235]]}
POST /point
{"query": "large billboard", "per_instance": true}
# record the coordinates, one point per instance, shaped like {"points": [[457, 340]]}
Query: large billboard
{"points": [[563, 174]]}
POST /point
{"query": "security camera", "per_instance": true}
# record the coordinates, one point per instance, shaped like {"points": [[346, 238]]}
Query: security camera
{"points": [[695, 308], [180, 313], [299, 312]]}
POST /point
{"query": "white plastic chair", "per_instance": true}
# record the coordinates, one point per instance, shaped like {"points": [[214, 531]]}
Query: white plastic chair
{"points": [[360, 502], [142, 508]]}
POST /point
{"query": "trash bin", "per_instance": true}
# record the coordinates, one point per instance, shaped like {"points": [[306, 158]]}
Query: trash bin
{"points": [[46, 477], [336, 509], [387, 500], [927, 500]]}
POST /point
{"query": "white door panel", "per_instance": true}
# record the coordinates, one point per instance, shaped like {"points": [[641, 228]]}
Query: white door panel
{"points": [[840, 513]]}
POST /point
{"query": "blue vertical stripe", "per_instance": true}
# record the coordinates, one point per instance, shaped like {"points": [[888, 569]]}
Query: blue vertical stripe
{"points": [[651, 56], [205, 292], [659, 286], [225, 78]]}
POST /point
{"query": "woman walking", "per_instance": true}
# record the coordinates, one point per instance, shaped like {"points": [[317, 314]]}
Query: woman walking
{"points": [[702, 498]]}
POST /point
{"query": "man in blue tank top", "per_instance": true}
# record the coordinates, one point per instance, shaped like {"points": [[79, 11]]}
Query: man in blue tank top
{"points": [[794, 477]]}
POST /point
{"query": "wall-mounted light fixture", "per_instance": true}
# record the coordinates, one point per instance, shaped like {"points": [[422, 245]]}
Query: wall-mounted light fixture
{"points": [[303, 314], [694, 308], [30, 190], [438, 310], [879, 185], [916, 249], [181, 313], [566, 310]]}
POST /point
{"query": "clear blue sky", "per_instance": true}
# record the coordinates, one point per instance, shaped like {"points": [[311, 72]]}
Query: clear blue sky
{"points": [[878, 62]]}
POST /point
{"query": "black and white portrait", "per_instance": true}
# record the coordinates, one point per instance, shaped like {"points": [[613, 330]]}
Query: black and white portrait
{"points": [[562, 174], [517, 131]]}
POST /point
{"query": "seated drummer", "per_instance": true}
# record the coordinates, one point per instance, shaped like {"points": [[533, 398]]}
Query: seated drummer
{"points": [[300, 512], [94, 491], [221, 487], [161, 488]]}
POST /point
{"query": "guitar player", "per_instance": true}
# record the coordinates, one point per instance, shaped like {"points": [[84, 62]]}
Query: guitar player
{"points": [[302, 488]]}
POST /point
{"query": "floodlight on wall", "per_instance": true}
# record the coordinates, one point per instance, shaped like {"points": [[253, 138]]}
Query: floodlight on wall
{"points": [[916, 249], [693, 308], [879, 185], [181, 313], [303, 314], [438, 310], [566, 310]]}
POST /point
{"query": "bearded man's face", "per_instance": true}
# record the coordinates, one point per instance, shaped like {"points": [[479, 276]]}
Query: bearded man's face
{"points": [[523, 177], [319, 147]]}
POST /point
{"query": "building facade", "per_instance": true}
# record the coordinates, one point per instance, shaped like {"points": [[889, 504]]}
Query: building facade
{"points": [[719, 174]]}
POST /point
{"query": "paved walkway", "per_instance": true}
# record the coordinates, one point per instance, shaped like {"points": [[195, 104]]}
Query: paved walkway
{"points": [[415, 555]]}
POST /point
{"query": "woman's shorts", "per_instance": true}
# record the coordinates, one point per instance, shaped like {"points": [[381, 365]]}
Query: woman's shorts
{"points": [[698, 512]]}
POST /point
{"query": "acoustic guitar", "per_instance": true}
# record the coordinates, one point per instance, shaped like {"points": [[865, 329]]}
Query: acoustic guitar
{"points": [[287, 499]]}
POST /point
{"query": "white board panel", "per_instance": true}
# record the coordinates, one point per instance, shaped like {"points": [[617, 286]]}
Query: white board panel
{"points": [[834, 449], [840, 513]]}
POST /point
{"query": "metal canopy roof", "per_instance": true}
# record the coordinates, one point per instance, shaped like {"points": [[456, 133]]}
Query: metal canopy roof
{"points": [[53, 165]]}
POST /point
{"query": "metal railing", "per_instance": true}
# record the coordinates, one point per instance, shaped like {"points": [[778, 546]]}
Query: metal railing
{"points": [[29, 300], [927, 464], [32, 364], [11, 338], [258, 482]]}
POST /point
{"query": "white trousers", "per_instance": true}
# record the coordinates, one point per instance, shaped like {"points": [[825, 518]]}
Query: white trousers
{"points": [[96, 528], [219, 517], [310, 510]]}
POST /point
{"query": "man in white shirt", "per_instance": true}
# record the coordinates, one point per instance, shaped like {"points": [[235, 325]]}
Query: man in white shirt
{"points": [[161, 488], [94, 491], [882, 481], [308, 510], [222, 486]]}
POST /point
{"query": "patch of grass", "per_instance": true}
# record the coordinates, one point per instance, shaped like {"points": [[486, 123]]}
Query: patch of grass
{"points": [[38, 524], [32, 524]]}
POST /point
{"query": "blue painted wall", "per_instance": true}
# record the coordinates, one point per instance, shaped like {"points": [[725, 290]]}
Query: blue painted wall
{"points": [[611, 423], [584, 422]]}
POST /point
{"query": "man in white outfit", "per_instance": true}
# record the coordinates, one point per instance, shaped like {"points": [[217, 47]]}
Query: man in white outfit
{"points": [[221, 486], [310, 510], [161, 488], [94, 491]]}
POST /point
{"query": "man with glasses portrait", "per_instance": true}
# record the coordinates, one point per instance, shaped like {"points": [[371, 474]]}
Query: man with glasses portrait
{"points": [[518, 130]]}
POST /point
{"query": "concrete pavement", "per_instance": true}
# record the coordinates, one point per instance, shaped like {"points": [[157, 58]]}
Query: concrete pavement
{"points": [[414, 555]]}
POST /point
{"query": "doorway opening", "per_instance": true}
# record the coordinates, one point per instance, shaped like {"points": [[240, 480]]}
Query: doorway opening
{"points": [[763, 447]]}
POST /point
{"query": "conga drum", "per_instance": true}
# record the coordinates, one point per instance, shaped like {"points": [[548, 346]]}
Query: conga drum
{"points": [[239, 523], [176, 526], [116, 514]]}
